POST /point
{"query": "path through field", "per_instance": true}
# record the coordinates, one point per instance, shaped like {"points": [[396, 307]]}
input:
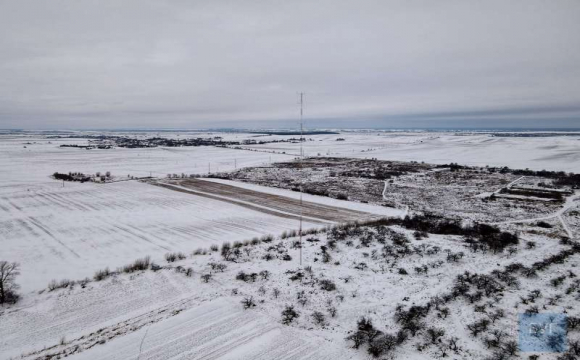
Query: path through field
{"points": [[273, 204], [570, 203]]}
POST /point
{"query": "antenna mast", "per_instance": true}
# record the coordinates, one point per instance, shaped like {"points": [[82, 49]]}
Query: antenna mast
{"points": [[300, 162]]}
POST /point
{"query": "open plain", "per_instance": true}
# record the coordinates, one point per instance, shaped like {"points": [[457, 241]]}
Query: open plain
{"points": [[392, 225]]}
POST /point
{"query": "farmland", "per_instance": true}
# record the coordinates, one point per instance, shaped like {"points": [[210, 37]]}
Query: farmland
{"points": [[225, 270]]}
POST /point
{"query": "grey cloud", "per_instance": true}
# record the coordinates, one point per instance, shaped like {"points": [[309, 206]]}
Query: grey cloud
{"points": [[97, 64]]}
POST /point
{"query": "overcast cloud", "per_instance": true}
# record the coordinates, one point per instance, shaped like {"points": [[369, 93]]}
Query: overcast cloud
{"points": [[191, 64]]}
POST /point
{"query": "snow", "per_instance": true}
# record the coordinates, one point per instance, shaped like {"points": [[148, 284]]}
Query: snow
{"points": [[217, 330], [58, 232], [555, 153], [71, 231], [167, 315]]}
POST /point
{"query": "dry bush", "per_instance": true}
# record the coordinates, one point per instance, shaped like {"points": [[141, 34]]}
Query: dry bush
{"points": [[137, 265], [101, 274], [171, 257]]}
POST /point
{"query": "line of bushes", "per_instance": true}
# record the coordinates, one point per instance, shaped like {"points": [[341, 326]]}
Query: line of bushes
{"points": [[489, 236], [103, 274]]}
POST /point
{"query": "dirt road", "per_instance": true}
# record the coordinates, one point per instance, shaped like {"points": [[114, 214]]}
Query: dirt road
{"points": [[271, 204]]}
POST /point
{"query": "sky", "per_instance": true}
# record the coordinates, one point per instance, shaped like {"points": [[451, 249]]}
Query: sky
{"points": [[208, 64]]}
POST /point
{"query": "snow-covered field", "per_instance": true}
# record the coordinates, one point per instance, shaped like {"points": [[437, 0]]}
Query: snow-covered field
{"points": [[57, 232], [69, 231], [537, 153], [178, 316], [29, 160], [166, 314]]}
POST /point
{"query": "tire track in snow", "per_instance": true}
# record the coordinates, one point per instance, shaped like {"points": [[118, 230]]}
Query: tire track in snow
{"points": [[39, 225], [134, 234]]}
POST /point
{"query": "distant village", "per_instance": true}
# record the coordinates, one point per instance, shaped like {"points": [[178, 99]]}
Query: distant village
{"points": [[81, 177], [109, 142]]}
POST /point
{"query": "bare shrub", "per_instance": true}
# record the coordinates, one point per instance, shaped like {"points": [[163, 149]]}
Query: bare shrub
{"points": [[327, 285], [496, 315], [246, 277], [510, 347], [530, 245], [478, 327], [219, 267], [267, 238], [433, 335], [137, 265], [102, 274], [573, 323], [230, 253], [420, 235], [365, 332], [556, 342], [265, 274], [318, 318], [248, 302], [443, 312], [63, 284], [171, 257], [382, 344], [289, 315], [555, 282], [342, 196], [286, 257]]}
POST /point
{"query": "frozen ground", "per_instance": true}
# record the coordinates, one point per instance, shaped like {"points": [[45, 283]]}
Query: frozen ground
{"points": [[537, 153], [178, 317], [452, 191], [167, 315], [72, 231], [30, 160], [69, 232]]}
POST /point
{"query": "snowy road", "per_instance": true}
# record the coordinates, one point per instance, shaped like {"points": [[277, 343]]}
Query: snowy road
{"points": [[273, 204], [570, 203]]}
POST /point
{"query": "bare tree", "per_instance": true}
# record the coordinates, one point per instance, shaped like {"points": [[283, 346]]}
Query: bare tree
{"points": [[248, 302], [8, 272], [319, 318], [289, 314]]}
